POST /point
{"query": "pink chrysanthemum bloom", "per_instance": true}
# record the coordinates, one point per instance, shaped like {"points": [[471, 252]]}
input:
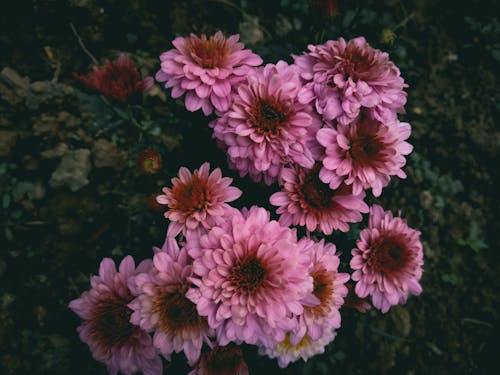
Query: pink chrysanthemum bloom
{"points": [[344, 77], [328, 287], [117, 79], [162, 307], [266, 127], [387, 261], [251, 276], [221, 360], [197, 199], [286, 352], [364, 154], [306, 200], [107, 329], [205, 69]]}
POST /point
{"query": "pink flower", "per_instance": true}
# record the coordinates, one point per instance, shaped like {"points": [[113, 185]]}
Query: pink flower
{"points": [[206, 70], [306, 200], [198, 199], [387, 261], [344, 77], [162, 307], [251, 275], [106, 327], [221, 360], [364, 154], [118, 79], [266, 127]]}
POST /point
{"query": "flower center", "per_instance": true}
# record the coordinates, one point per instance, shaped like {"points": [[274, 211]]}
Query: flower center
{"points": [[267, 116], [323, 290], [389, 253], [366, 149], [248, 274], [357, 62], [208, 53], [286, 345], [176, 312], [314, 191], [192, 196], [224, 360], [110, 321]]}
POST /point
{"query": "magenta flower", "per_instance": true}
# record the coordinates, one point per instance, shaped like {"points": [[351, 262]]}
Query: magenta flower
{"points": [[162, 307], [198, 199], [364, 154], [344, 77], [205, 69], [306, 200], [106, 327], [250, 276], [221, 360], [266, 127], [117, 79], [387, 261]]}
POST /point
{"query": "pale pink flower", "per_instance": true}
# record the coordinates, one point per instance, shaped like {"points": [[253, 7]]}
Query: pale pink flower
{"points": [[251, 275], [307, 201], [161, 307], [206, 69], [266, 127], [286, 351], [107, 330], [344, 77], [197, 199], [364, 154], [387, 261], [221, 360]]}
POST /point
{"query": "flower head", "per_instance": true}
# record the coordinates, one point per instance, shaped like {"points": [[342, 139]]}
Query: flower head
{"points": [[148, 160], [221, 360], [387, 260], [162, 307], [250, 276], [266, 127], [197, 199], [106, 327], [344, 77], [364, 154], [205, 69], [306, 200], [118, 79]]}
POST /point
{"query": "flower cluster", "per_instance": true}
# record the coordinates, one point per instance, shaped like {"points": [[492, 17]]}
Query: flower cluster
{"points": [[325, 129]]}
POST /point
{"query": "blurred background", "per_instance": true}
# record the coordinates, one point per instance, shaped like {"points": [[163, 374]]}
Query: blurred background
{"points": [[73, 191]]}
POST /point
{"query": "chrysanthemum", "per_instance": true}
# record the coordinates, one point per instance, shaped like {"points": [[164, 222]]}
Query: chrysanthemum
{"points": [[364, 154], [266, 127], [118, 79], [106, 327], [162, 307], [286, 352], [306, 200], [387, 261], [197, 199], [221, 360], [344, 77], [250, 277], [206, 70], [328, 287]]}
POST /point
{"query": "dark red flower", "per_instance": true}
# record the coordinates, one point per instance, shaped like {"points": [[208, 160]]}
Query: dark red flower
{"points": [[148, 160], [325, 8], [118, 79]]}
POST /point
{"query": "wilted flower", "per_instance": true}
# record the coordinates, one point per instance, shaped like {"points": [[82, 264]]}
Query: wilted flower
{"points": [[387, 261], [205, 69], [344, 77], [117, 79], [197, 199], [364, 154], [250, 276], [306, 200], [148, 160], [221, 360], [266, 127], [106, 327]]}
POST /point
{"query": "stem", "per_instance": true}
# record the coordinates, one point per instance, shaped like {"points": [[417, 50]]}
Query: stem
{"points": [[82, 45]]}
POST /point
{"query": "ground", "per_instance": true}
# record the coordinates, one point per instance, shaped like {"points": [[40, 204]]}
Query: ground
{"points": [[57, 228]]}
